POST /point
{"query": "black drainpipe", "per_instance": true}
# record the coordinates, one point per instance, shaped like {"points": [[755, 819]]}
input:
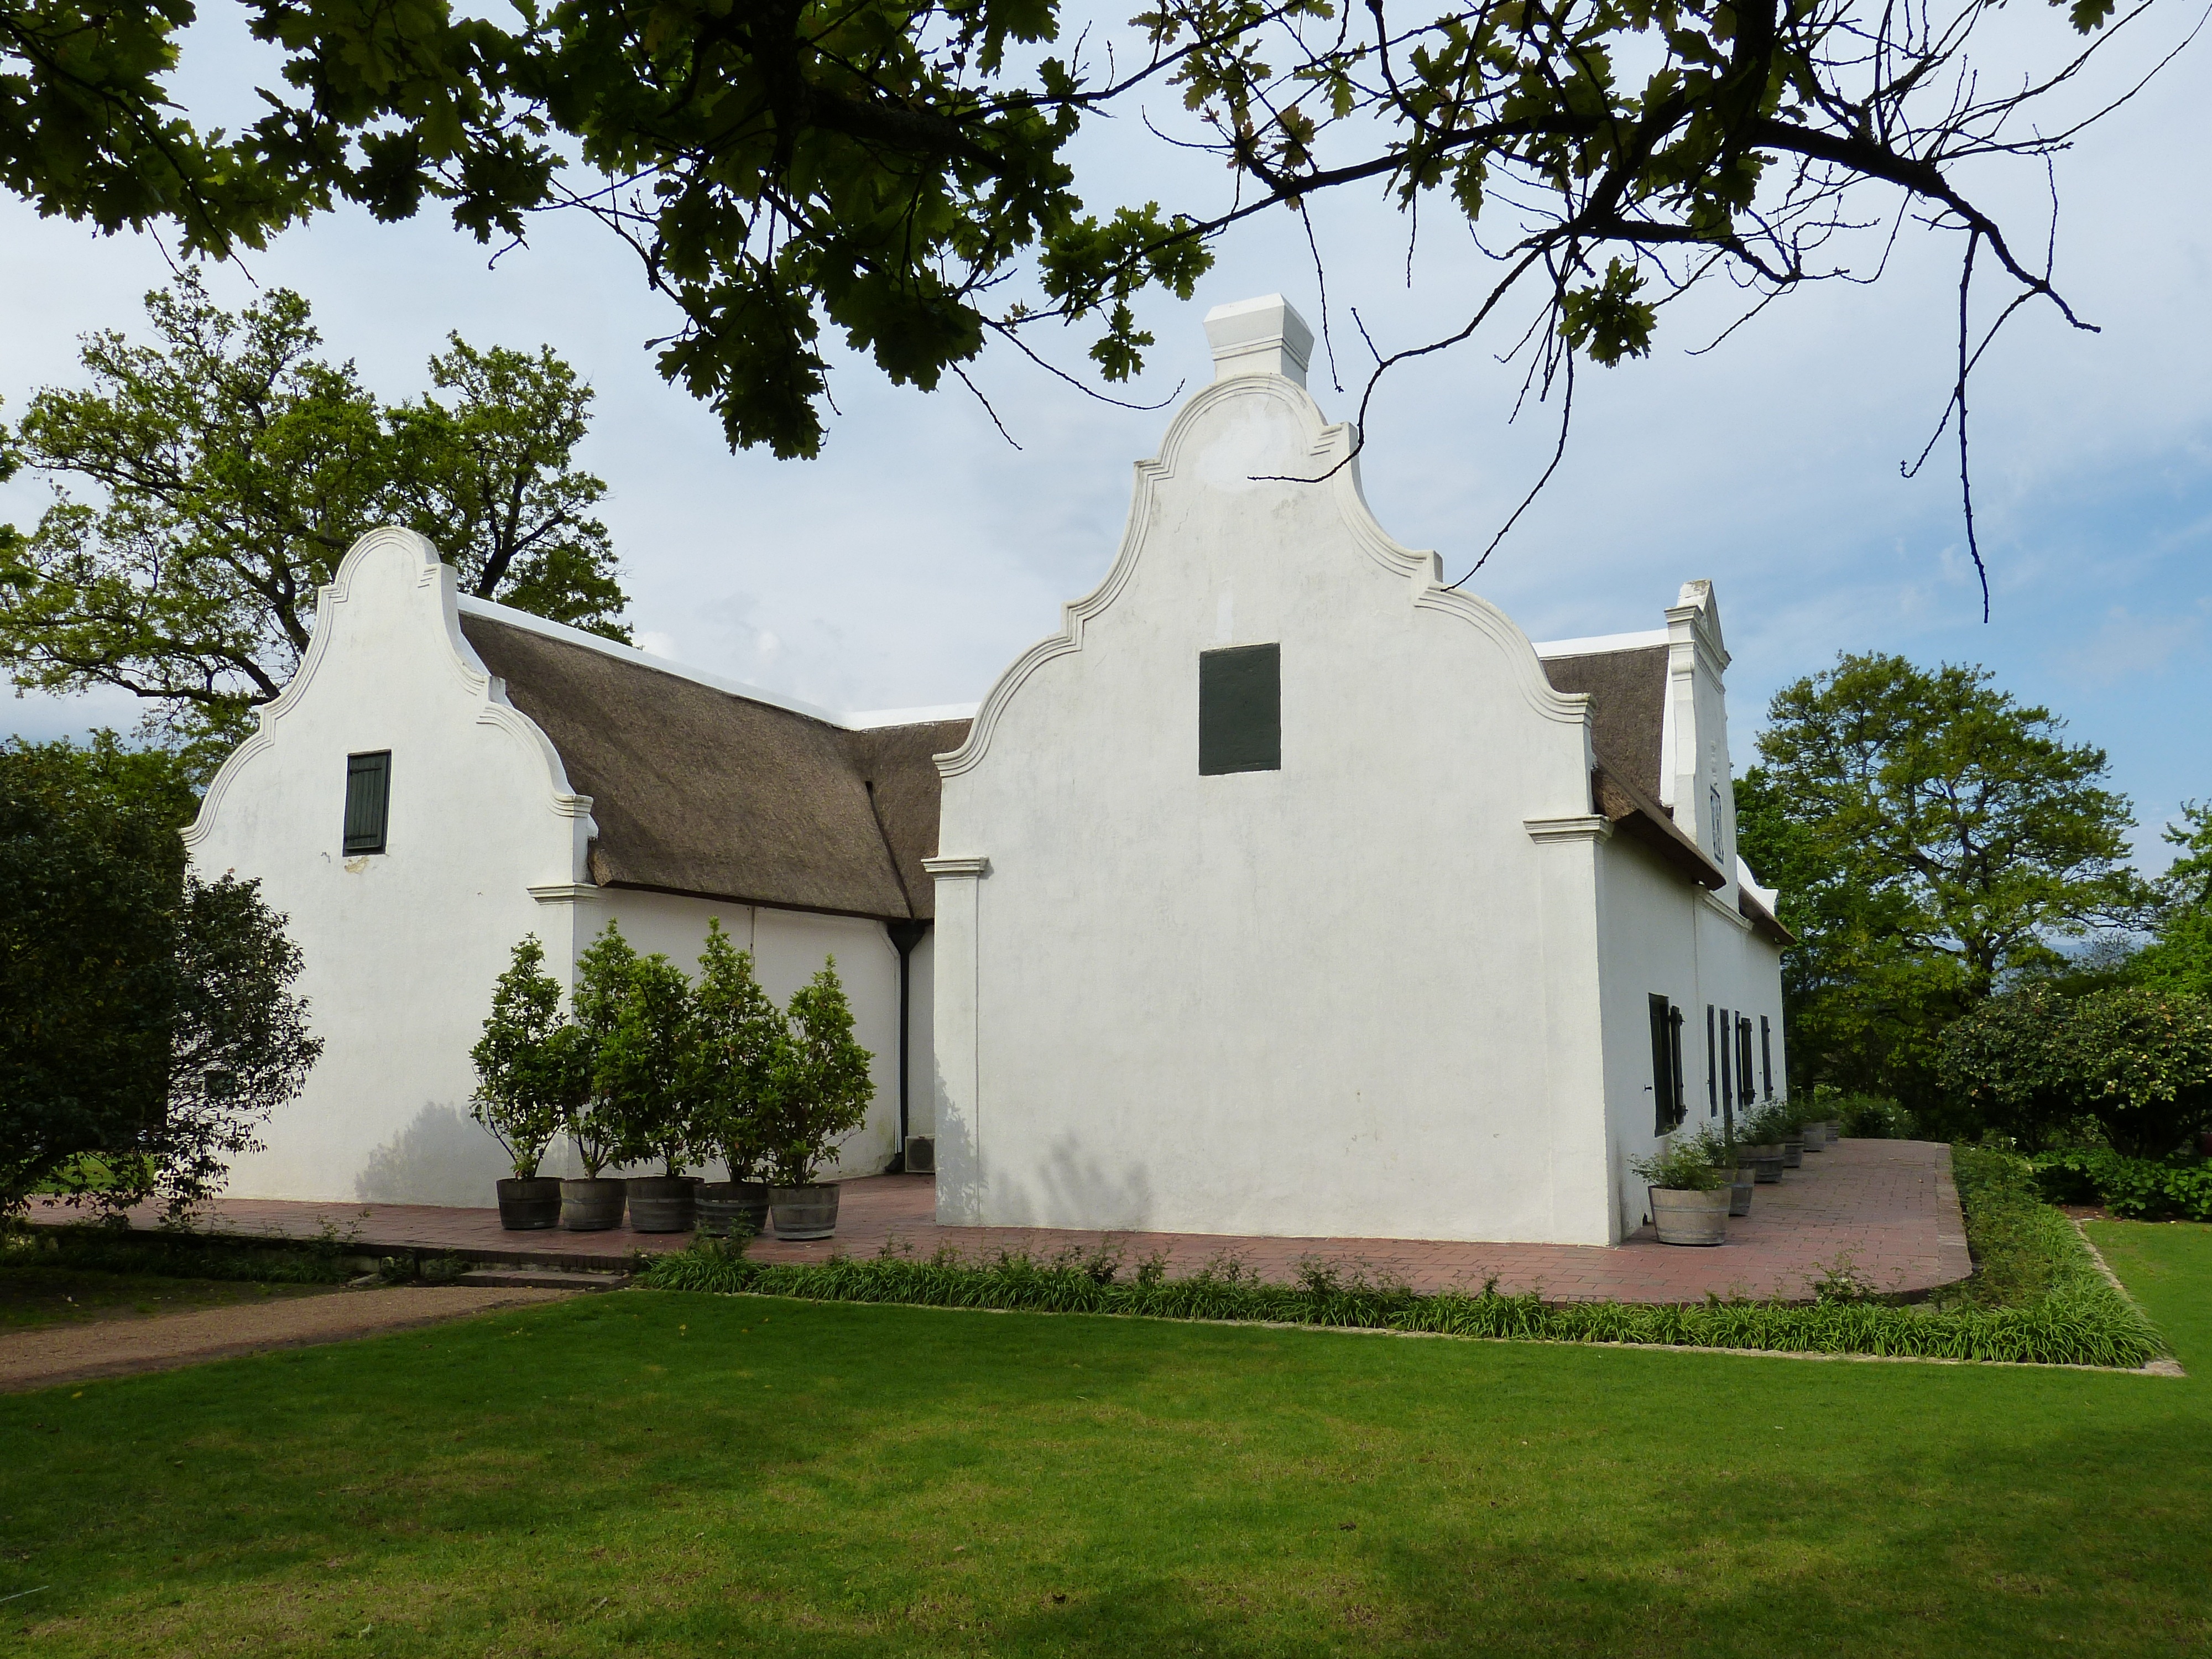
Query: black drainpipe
{"points": [[905, 935]]}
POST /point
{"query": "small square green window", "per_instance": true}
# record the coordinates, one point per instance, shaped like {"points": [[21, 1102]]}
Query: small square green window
{"points": [[1239, 710], [367, 801]]}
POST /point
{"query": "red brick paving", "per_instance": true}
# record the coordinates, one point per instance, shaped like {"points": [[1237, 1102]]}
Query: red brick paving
{"points": [[1885, 1207]]}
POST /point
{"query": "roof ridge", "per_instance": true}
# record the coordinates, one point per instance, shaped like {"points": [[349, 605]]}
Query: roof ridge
{"points": [[866, 721]]}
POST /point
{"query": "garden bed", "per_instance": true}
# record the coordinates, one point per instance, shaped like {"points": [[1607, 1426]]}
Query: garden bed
{"points": [[2036, 1295]]}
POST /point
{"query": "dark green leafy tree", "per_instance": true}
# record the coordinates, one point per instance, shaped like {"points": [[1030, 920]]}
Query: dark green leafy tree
{"points": [[900, 171], [593, 1118], [2034, 1061], [147, 1019], [821, 1086], [1934, 840], [522, 1094], [230, 467], [736, 1052], [644, 1068], [2180, 954]]}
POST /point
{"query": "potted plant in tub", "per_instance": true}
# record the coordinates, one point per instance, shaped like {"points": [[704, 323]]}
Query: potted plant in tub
{"points": [[644, 1071], [592, 1116], [1758, 1143], [1735, 1170], [737, 1045], [1689, 1197], [518, 1092], [822, 1090]]}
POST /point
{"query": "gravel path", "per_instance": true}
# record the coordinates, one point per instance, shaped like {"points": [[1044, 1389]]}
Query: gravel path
{"points": [[69, 1353]]}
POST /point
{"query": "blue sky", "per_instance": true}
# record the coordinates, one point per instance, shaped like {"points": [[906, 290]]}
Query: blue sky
{"points": [[922, 553]]}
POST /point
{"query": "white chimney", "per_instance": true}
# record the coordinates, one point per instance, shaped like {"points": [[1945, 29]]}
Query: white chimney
{"points": [[1265, 336]]}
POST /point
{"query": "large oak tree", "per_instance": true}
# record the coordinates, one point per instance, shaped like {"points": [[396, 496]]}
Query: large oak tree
{"points": [[900, 172], [224, 469]]}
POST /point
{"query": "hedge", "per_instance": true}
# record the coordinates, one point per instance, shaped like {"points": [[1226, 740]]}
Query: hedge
{"points": [[2066, 1313], [2137, 1188]]}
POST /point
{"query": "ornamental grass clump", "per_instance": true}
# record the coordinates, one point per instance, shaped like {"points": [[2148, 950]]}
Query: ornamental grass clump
{"points": [[2067, 1316]]}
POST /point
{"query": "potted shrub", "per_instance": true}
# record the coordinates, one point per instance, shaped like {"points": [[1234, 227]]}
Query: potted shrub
{"points": [[1734, 1170], [1689, 1197], [1813, 1131], [594, 1203], [643, 1074], [821, 1094], [736, 1047], [1760, 1143], [518, 1095]]}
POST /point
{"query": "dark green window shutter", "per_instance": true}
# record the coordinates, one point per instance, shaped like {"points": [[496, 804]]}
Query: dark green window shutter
{"points": [[1663, 1068], [1675, 1055], [1712, 1077], [1239, 710], [1765, 1057], [368, 798]]}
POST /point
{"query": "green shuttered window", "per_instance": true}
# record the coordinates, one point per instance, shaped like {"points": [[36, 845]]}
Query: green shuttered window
{"points": [[368, 798], [1239, 710]]}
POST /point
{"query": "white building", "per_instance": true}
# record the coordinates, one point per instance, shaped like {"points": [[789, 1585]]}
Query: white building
{"points": [[444, 776], [1285, 891]]}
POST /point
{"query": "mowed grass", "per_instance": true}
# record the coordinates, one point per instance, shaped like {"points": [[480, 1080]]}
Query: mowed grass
{"points": [[649, 1472]]}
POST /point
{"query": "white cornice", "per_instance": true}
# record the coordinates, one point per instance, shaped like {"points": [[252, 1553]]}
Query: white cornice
{"points": [[1590, 827], [975, 866]]}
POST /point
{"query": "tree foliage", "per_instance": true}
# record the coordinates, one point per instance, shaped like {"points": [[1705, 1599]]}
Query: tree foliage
{"points": [[822, 1087], [1934, 839], [230, 467], [739, 1039], [147, 1019], [528, 1083], [2180, 954], [2033, 1060], [902, 171]]}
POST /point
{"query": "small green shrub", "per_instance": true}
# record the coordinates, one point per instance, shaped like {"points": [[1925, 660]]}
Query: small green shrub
{"points": [[1866, 1117], [1684, 1163], [2134, 1188]]}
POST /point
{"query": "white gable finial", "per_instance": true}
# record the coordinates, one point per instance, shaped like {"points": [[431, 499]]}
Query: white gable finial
{"points": [[1265, 336]]}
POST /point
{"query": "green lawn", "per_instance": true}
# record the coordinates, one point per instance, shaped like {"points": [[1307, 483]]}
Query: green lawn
{"points": [[729, 1475]]}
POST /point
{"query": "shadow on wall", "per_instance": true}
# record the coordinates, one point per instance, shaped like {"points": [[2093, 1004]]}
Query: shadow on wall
{"points": [[441, 1157], [1078, 1192]]}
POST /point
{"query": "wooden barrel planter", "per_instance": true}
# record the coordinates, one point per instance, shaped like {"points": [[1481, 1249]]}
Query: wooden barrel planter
{"points": [[804, 1212], [730, 1207], [1687, 1217], [590, 1207], [526, 1206], [663, 1204], [1739, 1189], [1766, 1163], [1793, 1154]]}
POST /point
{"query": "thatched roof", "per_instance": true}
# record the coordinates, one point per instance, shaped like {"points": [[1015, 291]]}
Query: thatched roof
{"points": [[1629, 689], [701, 791]]}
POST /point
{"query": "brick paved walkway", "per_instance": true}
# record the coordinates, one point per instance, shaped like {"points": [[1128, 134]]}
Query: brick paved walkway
{"points": [[1887, 1205]]}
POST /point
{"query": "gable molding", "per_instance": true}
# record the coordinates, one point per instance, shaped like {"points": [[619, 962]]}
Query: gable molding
{"points": [[1333, 451]]}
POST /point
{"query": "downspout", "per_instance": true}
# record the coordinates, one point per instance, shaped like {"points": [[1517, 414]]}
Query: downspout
{"points": [[905, 935]]}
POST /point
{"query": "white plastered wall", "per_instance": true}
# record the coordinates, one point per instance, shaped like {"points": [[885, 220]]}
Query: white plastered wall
{"points": [[486, 843], [1357, 996]]}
